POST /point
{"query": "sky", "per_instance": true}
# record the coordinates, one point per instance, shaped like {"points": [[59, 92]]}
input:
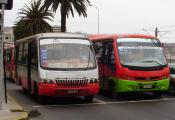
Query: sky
{"points": [[117, 16]]}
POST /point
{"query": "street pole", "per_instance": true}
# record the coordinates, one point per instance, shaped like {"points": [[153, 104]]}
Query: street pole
{"points": [[156, 32], [98, 11], [2, 94]]}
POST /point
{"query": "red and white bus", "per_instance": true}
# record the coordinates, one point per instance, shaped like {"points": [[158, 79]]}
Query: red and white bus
{"points": [[131, 63], [57, 64], [9, 61]]}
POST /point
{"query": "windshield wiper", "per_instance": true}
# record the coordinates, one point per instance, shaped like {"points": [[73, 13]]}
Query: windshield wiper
{"points": [[153, 61]]}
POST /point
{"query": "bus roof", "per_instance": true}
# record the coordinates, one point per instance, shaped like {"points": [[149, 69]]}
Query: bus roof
{"points": [[108, 36], [63, 35]]}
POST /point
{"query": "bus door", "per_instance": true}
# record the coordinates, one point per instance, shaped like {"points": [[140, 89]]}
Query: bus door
{"points": [[99, 51], [29, 66], [109, 63], [33, 64]]}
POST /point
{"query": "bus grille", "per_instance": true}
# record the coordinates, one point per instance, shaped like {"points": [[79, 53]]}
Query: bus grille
{"points": [[73, 83]]}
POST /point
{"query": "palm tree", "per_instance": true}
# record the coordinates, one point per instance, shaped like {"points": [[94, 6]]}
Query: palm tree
{"points": [[18, 30], [67, 7], [33, 19]]}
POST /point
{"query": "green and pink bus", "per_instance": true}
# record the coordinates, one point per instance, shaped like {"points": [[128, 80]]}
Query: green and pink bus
{"points": [[131, 63]]}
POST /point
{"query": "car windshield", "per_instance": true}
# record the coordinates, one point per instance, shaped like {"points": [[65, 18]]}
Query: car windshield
{"points": [[140, 52], [66, 53]]}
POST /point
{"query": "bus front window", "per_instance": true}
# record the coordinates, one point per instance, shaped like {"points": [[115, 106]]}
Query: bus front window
{"points": [[66, 53], [140, 52]]}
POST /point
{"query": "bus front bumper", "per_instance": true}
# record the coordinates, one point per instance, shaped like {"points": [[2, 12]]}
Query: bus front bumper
{"points": [[65, 91], [136, 86]]}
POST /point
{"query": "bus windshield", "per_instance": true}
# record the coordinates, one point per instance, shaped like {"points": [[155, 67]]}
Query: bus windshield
{"points": [[141, 52], [66, 53]]}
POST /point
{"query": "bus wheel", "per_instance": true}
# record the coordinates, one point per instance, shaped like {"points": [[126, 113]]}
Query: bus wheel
{"points": [[35, 91], [157, 94], [89, 98], [24, 90], [113, 92], [11, 76], [172, 89], [41, 99], [19, 81]]}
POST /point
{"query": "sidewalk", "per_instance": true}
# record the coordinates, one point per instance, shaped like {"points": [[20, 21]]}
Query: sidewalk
{"points": [[12, 111]]}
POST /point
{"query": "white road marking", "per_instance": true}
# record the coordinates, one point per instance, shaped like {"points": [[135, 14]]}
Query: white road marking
{"points": [[100, 101], [103, 103]]}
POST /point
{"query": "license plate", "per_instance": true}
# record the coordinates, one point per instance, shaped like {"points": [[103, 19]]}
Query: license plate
{"points": [[147, 86], [72, 91]]}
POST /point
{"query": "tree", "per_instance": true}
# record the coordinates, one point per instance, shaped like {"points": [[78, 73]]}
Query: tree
{"points": [[18, 30], [67, 7], [33, 20]]}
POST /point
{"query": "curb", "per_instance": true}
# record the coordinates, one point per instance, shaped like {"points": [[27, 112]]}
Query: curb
{"points": [[18, 108], [23, 116]]}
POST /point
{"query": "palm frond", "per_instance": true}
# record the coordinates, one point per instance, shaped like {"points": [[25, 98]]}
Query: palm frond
{"points": [[33, 20]]}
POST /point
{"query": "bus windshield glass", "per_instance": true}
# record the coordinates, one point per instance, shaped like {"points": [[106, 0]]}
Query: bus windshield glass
{"points": [[66, 53], [141, 52]]}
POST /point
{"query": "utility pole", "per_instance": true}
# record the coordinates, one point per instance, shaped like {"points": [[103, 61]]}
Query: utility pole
{"points": [[4, 4], [156, 32], [2, 94]]}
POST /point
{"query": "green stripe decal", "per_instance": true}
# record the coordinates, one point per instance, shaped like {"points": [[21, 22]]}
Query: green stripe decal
{"points": [[136, 86]]}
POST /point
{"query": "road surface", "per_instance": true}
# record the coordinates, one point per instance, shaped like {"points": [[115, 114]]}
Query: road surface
{"points": [[131, 107]]}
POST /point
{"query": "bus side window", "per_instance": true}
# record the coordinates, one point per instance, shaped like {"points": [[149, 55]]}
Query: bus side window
{"points": [[5, 57], [25, 54], [19, 53], [109, 55], [98, 47], [34, 52], [8, 55]]}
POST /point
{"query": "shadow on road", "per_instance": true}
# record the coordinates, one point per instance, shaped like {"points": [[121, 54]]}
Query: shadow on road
{"points": [[132, 96]]}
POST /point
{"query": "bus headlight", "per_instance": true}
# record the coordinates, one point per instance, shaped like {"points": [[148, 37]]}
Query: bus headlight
{"points": [[51, 82], [45, 81], [92, 80], [95, 81]]}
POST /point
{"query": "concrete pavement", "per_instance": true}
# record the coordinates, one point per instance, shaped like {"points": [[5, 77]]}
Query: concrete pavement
{"points": [[12, 111]]}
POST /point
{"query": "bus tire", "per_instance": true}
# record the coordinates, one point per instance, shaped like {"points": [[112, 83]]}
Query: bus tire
{"points": [[113, 92], [19, 82], [24, 90], [11, 76], [172, 89], [35, 91], [157, 94], [89, 99], [39, 98]]}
